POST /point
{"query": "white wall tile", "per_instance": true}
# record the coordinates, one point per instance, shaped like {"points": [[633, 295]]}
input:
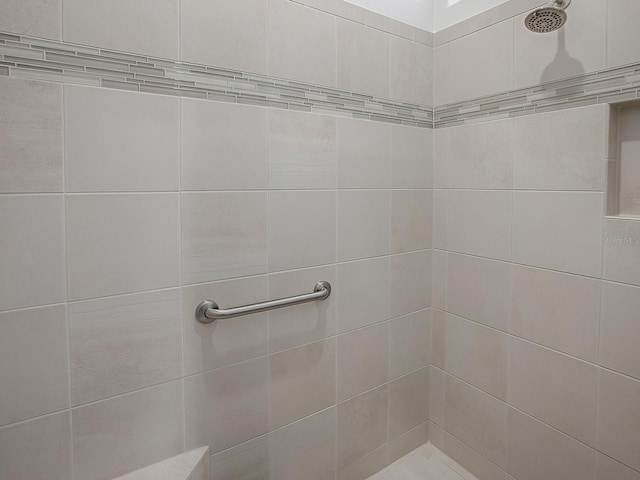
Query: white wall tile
{"points": [[38, 18], [411, 220], [227, 406], [31, 132], [224, 235], [559, 230], [34, 363], [224, 342], [32, 263], [225, 34], [224, 146], [364, 218], [411, 71], [104, 261], [136, 26], [621, 251], [411, 157], [120, 141], [124, 343], [302, 229], [121, 434], [302, 150], [40, 448], [623, 37]]}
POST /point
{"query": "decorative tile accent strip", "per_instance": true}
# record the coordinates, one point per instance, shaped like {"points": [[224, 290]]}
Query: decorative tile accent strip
{"points": [[615, 85], [33, 58]]}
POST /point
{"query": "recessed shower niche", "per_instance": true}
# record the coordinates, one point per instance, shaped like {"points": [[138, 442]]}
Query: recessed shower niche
{"points": [[624, 161]]}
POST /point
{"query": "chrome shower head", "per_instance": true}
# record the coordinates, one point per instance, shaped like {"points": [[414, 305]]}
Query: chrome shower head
{"points": [[548, 18]]}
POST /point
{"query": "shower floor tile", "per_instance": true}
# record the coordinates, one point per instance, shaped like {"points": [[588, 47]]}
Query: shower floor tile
{"points": [[424, 463]]}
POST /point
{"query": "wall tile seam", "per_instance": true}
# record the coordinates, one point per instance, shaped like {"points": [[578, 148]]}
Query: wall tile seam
{"points": [[593, 449]]}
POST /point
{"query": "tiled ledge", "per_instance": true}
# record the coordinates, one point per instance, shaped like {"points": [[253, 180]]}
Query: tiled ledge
{"points": [[32, 58]]}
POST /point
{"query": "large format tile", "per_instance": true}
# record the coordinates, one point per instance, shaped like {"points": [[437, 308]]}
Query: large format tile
{"points": [[302, 229], [224, 146], [227, 406], [620, 329], [34, 363], [411, 157], [479, 223], [623, 36], [224, 235], [242, 27], [481, 155], [408, 402], [407, 442], [124, 343], [608, 469], [38, 18], [302, 43], [362, 360], [365, 466], [302, 150], [573, 160], [550, 307], [249, 460], [471, 460], [104, 261], [32, 263], [559, 230], [120, 141], [554, 388], [409, 343], [410, 282], [138, 26], [411, 220], [30, 134], [122, 434], [224, 342], [37, 449], [621, 251], [363, 59], [303, 381], [411, 71]]}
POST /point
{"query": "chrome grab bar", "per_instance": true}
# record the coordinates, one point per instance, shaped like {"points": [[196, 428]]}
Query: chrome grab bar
{"points": [[208, 311]]}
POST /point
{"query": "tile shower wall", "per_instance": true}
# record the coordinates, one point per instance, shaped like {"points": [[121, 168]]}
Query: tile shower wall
{"points": [[534, 360], [121, 211]]}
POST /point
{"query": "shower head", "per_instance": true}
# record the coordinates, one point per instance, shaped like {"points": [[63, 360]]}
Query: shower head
{"points": [[548, 18]]}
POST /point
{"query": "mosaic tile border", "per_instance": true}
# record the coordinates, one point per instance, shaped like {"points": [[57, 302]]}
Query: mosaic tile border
{"points": [[37, 59]]}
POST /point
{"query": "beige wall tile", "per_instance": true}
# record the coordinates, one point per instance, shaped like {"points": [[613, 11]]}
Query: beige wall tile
{"points": [[411, 157], [224, 146], [623, 37], [364, 218], [233, 245], [227, 406], [104, 262], [470, 459], [30, 129], [409, 343], [362, 424], [620, 329], [40, 448], [536, 451], [479, 223], [439, 268], [136, 26], [363, 59], [302, 229], [302, 43], [441, 155], [572, 160], [33, 264], [296, 325], [124, 343], [302, 150], [224, 342], [365, 466], [121, 434], [408, 402], [247, 461], [477, 419], [440, 218], [481, 155], [437, 382], [363, 360], [619, 418], [34, 363], [476, 354], [410, 282], [303, 381], [411, 71], [242, 27], [120, 141], [621, 251], [478, 289], [549, 308], [364, 154], [411, 220], [38, 18], [559, 230], [307, 446], [555, 388], [607, 469], [408, 442]]}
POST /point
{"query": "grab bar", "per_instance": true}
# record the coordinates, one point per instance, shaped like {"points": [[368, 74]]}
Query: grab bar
{"points": [[208, 311]]}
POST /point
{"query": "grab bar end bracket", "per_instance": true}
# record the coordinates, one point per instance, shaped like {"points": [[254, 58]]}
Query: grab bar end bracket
{"points": [[201, 311], [323, 286]]}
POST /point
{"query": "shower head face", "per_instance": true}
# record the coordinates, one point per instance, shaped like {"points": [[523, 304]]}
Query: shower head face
{"points": [[545, 20]]}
